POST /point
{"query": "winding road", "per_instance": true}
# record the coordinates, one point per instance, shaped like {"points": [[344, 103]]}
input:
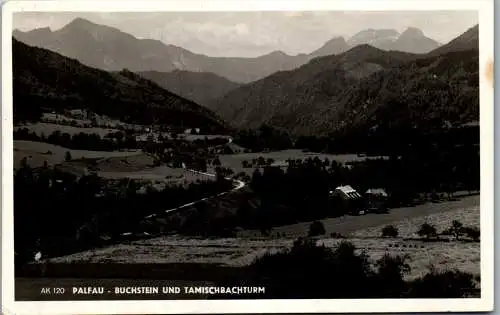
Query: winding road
{"points": [[238, 185]]}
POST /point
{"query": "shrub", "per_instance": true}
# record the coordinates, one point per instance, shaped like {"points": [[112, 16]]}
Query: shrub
{"points": [[447, 284], [456, 229], [472, 232], [426, 230], [316, 228], [390, 231], [336, 235]]}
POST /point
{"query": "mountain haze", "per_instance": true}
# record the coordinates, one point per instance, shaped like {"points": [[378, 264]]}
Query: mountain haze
{"points": [[110, 49], [411, 40], [200, 87]]}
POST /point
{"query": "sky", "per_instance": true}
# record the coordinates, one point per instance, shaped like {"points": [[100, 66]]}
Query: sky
{"points": [[250, 34]]}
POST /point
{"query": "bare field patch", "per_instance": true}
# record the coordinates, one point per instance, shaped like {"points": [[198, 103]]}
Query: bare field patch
{"points": [[38, 152]]}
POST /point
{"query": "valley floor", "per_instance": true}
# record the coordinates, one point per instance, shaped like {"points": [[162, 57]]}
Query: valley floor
{"points": [[362, 231]]}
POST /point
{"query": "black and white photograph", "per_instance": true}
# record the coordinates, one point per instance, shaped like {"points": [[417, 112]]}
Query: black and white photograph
{"points": [[276, 154]]}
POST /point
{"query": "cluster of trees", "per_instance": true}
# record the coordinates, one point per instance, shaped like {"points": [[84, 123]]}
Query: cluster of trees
{"points": [[389, 140], [429, 231], [57, 213], [258, 162], [382, 140], [308, 270], [301, 191], [265, 138], [81, 141]]}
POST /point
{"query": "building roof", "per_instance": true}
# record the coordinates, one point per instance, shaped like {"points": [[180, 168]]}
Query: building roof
{"points": [[377, 191], [348, 192]]}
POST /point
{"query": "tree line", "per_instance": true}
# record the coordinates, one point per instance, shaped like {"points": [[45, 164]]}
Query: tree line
{"points": [[373, 141]]}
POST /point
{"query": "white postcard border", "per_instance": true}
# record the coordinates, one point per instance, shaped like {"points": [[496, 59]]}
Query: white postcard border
{"points": [[485, 303]]}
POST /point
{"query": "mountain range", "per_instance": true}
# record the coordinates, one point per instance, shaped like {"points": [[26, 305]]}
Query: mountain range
{"points": [[361, 87], [110, 49], [44, 80], [364, 87]]}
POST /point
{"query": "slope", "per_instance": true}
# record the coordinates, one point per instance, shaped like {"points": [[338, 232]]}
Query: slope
{"points": [[292, 99], [200, 87], [425, 93], [43, 79], [467, 41], [363, 86]]}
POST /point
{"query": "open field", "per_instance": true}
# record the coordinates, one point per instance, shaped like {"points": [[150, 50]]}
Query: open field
{"points": [[353, 224], [234, 161], [407, 228], [63, 119], [163, 174], [189, 137], [138, 167], [48, 128], [37, 153], [242, 251]]}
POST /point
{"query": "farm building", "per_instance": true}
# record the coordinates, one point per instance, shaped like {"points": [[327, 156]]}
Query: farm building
{"points": [[348, 199], [376, 199]]}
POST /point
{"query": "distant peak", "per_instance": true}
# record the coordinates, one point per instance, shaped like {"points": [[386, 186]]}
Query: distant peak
{"points": [[41, 30], [337, 39], [413, 31], [80, 23], [379, 32], [363, 47], [277, 53]]}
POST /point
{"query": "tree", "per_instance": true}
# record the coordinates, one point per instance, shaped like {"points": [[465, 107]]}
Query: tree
{"points": [[457, 229], [24, 162], [390, 231], [391, 271], [472, 232], [316, 228], [427, 230], [67, 156], [216, 162]]}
